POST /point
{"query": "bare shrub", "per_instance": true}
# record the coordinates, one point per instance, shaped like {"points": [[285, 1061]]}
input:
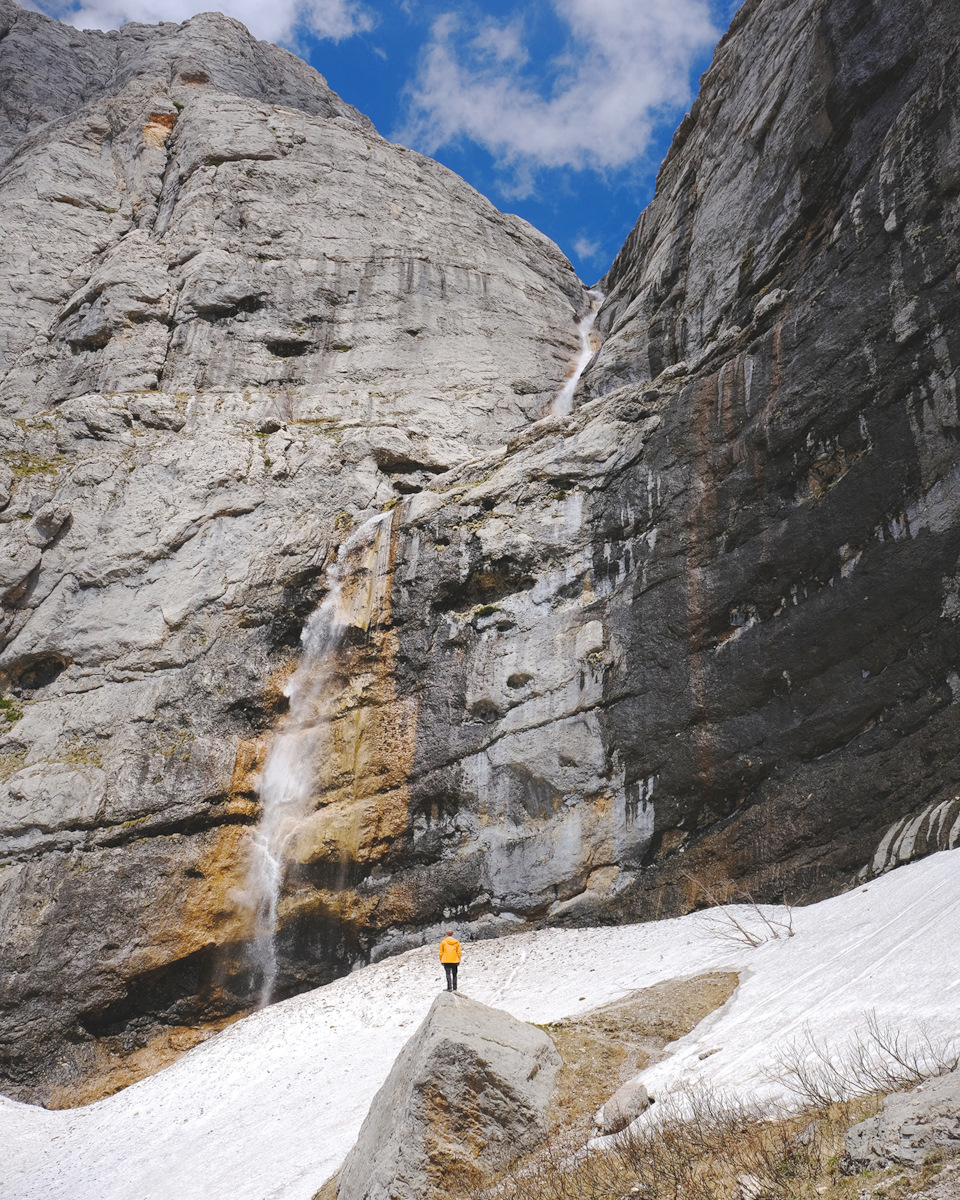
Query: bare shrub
{"points": [[704, 1145], [750, 927], [714, 1147], [563, 1170], [700, 1146], [880, 1058]]}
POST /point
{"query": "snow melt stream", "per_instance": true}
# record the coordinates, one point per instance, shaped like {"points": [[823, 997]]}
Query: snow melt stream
{"points": [[267, 1109]]}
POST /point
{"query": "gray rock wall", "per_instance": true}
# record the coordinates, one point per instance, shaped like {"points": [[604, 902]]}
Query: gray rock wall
{"points": [[48, 70], [796, 277], [234, 321], [705, 630]]}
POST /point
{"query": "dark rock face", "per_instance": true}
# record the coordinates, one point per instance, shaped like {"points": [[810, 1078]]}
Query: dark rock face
{"points": [[802, 637], [704, 629]]}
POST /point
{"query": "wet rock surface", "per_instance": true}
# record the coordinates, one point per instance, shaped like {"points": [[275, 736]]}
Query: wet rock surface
{"points": [[468, 1094], [702, 629]]}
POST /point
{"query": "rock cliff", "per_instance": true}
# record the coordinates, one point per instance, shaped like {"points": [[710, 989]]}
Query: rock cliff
{"points": [[234, 321], [702, 629], [705, 628]]}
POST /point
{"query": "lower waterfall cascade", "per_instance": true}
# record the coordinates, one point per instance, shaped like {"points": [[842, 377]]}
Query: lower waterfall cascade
{"points": [[298, 747]]}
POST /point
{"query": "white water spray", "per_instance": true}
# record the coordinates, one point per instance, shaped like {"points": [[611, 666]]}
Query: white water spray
{"points": [[295, 756], [562, 403]]}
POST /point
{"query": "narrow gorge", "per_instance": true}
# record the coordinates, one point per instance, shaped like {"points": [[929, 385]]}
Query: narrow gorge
{"points": [[364, 570]]}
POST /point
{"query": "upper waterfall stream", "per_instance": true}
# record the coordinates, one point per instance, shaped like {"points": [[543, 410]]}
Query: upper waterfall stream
{"points": [[562, 403], [298, 749]]}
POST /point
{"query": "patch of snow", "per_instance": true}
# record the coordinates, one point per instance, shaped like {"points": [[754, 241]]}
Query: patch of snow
{"points": [[267, 1109], [887, 946]]}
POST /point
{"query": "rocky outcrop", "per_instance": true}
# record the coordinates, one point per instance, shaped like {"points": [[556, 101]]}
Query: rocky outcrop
{"points": [[48, 71], [467, 1095], [702, 629], [909, 1127]]}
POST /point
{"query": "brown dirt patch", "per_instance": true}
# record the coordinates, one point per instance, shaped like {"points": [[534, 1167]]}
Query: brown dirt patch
{"points": [[329, 1189], [606, 1047], [115, 1069]]}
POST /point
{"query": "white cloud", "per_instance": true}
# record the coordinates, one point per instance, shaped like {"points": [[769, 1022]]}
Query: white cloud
{"points": [[277, 21], [503, 43], [627, 62], [587, 250]]}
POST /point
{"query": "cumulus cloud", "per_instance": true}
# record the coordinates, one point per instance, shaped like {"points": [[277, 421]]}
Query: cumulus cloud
{"points": [[504, 43], [278, 21], [587, 250], [595, 105]]}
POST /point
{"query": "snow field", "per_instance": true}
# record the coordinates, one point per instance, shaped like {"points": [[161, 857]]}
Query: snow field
{"points": [[267, 1109]]}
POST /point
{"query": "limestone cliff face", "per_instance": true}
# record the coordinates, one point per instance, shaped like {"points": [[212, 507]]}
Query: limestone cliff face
{"points": [[704, 628], [234, 322], [792, 295]]}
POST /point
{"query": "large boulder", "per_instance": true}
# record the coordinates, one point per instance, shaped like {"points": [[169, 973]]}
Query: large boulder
{"points": [[908, 1127], [468, 1094]]}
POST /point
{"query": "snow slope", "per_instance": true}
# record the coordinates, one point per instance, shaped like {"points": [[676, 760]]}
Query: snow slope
{"points": [[267, 1109]]}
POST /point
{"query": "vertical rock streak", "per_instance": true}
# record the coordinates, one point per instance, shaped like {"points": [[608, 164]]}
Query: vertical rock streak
{"points": [[301, 744]]}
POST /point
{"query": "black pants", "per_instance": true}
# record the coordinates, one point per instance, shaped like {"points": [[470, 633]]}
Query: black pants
{"points": [[451, 970]]}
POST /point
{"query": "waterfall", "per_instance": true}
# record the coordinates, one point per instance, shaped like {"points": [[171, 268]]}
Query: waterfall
{"points": [[562, 403], [298, 748]]}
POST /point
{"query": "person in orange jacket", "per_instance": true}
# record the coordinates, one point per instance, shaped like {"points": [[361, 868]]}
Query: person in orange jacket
{"points": [[450, 957]]}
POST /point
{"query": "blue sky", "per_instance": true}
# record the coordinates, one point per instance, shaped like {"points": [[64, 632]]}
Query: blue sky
{"points": [[559, 110]]}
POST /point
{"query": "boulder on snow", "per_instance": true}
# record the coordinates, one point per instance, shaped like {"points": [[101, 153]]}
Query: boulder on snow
{"points": [[623, 1107], [908, 1127], [468, 1094]]}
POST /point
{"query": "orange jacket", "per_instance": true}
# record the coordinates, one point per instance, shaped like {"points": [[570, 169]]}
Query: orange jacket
{"points": [[449, 950]]}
